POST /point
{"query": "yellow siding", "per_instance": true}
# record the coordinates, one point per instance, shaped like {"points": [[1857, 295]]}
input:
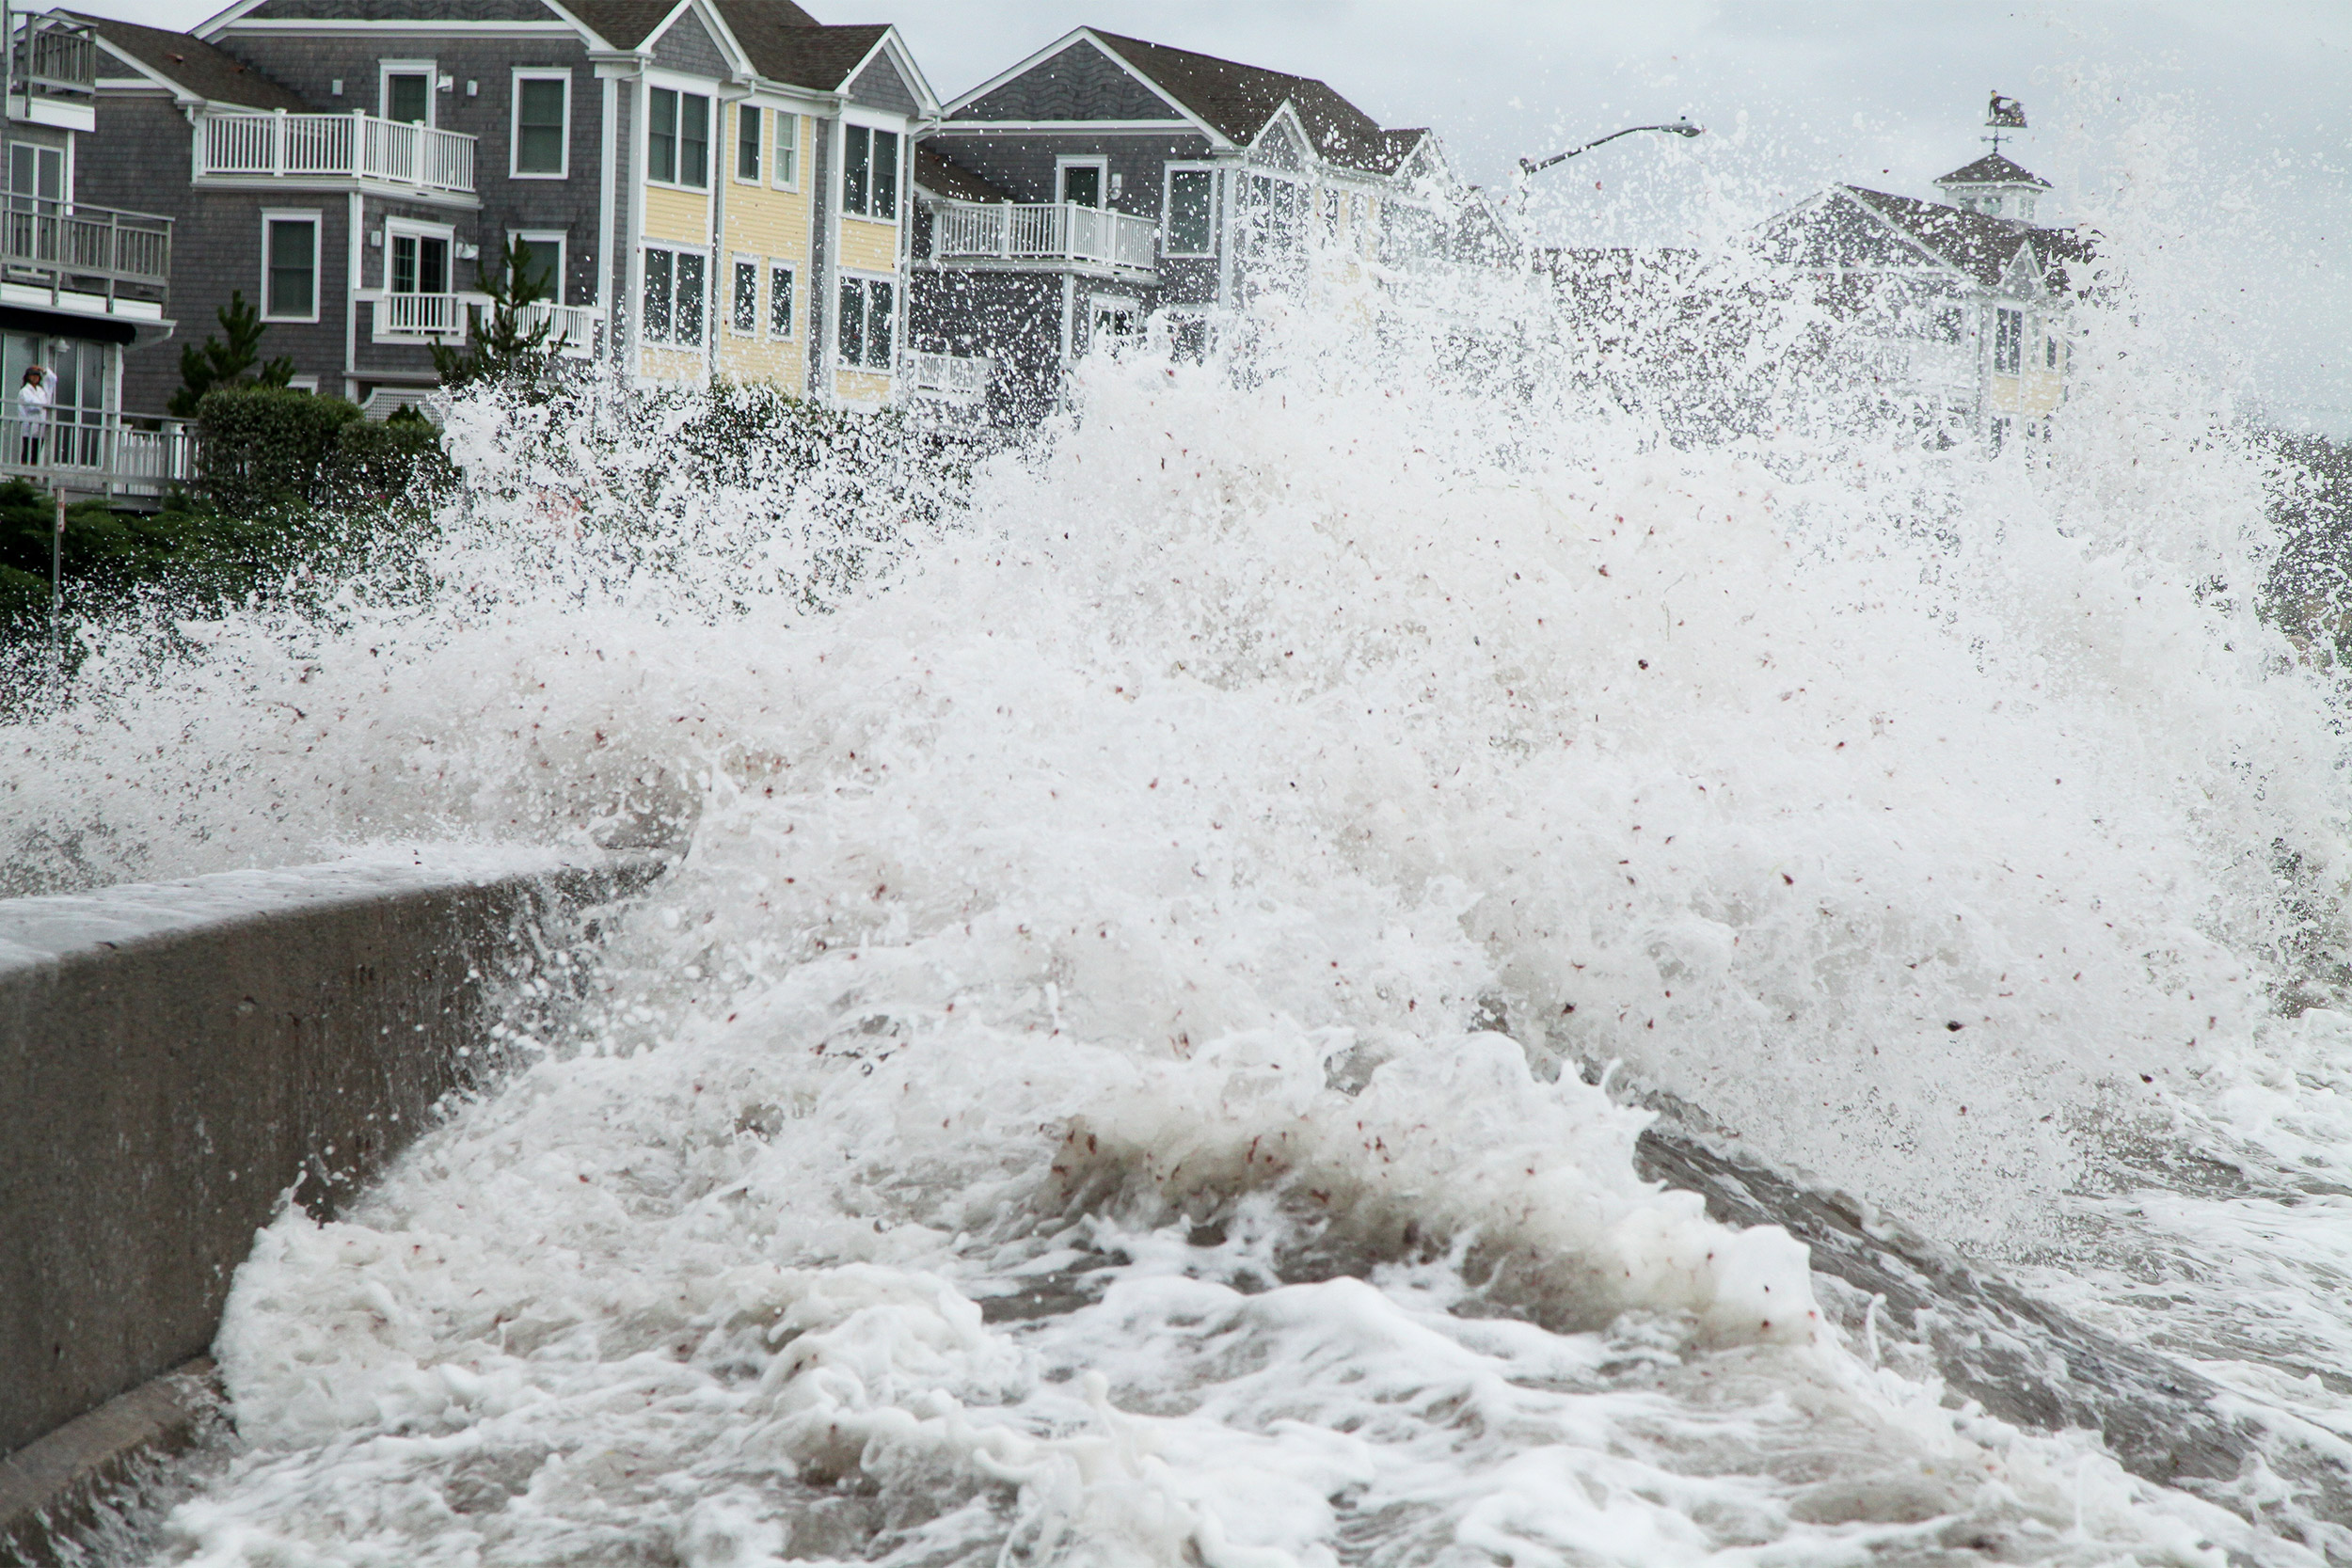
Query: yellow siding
{"points": [[762, 220], [683, 216], [779, 361], [671, 364], [869, 246], [861, 387]]}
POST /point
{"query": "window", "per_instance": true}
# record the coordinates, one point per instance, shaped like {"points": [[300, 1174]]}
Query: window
{"points": [[869, 173], [675, 281], [543, 260], [542, 122], [420, 263], [787, 171], [866, 307], [747, 142], [2008, 340], [2024, 208], [744, 318], [290, 266], [779, 299], [1081, 184], [406, 90], [1191, 211], [2050, 352], [35, 172], [677, 140]]}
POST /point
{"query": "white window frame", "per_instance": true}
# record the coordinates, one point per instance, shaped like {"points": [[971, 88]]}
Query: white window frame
{"points": [[672, 340], [429, 70], [416, 228], [317, 220], [1167, 207], [734, 142], [2016, 340], [1101, 167], [768, 298], [739, 259], [898, 318], [841, 175], [560, 240], [514, 121], [685, 87], [800, 149]]}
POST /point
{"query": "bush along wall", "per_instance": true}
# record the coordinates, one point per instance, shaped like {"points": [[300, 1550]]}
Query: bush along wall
{"points": [[266, 449]]}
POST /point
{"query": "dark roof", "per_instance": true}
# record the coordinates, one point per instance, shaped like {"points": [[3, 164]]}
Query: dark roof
{"points": [[938, 176], [1978, 245], [621, 23], [800, 53], [1236, 101], [195, 65], [1993, 169]]}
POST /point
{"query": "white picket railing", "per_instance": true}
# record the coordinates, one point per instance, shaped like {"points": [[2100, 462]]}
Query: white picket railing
{"points": [[358, 146], [949, 377], [1042, 231], [84, 450], [421, 315], [571, 328]]}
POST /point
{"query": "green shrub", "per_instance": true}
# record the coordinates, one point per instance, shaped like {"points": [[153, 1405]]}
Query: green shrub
{"points": [[376, 462], [263, 448]]}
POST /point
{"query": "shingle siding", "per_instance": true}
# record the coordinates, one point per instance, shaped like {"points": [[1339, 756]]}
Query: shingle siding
{"points": [[1023, 162], [880, 86], [1013, 317], [688, 47], [1080, 83], [399, 10]]}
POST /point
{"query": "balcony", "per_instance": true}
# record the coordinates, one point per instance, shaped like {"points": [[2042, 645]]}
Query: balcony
{"points": [[949, 378], [1028, 234], [54, 57], [92, 260], [130, 457], [255, 148], [403, 318]]}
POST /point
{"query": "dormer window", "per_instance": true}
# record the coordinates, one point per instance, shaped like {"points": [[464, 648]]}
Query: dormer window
{"points": [[2024, 208]]}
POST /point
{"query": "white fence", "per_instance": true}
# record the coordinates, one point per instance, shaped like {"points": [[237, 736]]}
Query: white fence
{"points": [[949, 377], [68, 245], [1042, 231], [357, 145], [420, 315], [86, 451], [571, 328]]}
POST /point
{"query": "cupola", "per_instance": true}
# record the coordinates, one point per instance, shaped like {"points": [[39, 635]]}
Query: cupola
{"points": [[1997, 185]]}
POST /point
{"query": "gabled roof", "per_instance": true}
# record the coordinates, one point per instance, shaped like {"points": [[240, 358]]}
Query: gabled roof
{"points": [[192, 66], [800, 55], [623, 24], [940, 177], [1980, 245], [1993, 169], [1238, 101]]}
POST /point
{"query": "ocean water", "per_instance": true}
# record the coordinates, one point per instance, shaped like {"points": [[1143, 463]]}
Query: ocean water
{"points": [[1145, 1051]]}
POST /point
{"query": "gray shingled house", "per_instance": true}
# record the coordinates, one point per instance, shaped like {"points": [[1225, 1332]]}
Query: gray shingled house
{"points": [[697, 180], [1107, 187], [83, 271]]}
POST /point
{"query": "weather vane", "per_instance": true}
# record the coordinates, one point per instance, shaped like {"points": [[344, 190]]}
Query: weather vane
{"points": [[2003, 113]]}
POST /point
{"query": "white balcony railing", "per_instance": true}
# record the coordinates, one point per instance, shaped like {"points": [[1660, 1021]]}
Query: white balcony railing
{"points": [[69, 248], [949, 377], [87, 451], [355, 146], [571, 328], [1042, 231], [421, 315]]}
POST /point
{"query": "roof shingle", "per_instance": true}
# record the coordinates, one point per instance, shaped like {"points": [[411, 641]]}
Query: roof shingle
{"points": [[1237, 101], [197, 67]]}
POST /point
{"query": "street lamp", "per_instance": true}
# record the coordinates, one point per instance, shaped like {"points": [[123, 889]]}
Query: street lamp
{"points": [[1681, 128]]}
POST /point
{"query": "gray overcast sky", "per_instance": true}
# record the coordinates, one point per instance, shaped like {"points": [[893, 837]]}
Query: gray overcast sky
{"points": [[2224, 130]]}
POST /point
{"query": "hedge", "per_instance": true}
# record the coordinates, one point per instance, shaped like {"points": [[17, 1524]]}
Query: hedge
{"points": [[260, 448]]}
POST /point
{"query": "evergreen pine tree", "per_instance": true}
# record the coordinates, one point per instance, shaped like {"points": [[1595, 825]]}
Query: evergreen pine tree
{"points": [[214, 363], [498, 347]]}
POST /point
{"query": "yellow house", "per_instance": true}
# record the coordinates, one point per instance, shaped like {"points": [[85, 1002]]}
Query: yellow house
{"points": [[761, 170]]}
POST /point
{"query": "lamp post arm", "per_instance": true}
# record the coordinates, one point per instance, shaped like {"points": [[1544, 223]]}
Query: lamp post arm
{"points": [[1679, 128]]}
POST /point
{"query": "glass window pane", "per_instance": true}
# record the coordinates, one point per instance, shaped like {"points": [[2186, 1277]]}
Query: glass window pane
{"points": [[693, 139], [658, 295], [878, 325], [746, 316], [885, 174], [410, 99], [780, 301], [747, 142], [543, 266], [689, 299], [853, 322], [1188, 211], [432, 266], [788, 149], [403, 263], [1081, 184], [539, 127], [293, 265], [661, 136], [857, 169]]}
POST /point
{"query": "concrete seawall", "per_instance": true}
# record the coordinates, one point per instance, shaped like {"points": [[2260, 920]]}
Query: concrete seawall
{"points": [[175, 1057]]}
